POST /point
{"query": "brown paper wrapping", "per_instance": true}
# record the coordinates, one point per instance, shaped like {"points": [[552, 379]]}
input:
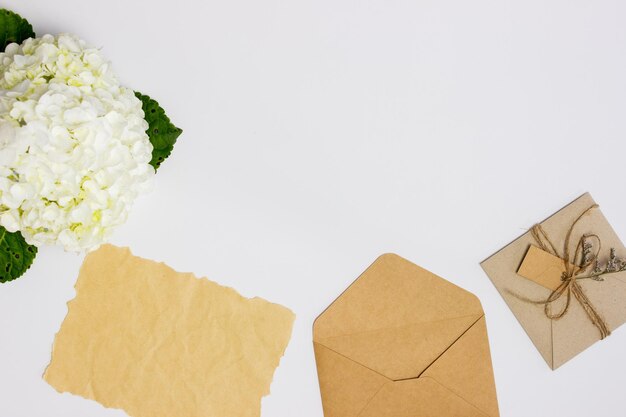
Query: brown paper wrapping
{"points": [[560, 340]]}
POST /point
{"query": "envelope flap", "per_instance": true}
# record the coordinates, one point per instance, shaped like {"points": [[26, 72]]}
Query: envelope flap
{"points": [[465, 369], [396, 318], [345, 385], [394, 292], [401, 352], [422, 397]]}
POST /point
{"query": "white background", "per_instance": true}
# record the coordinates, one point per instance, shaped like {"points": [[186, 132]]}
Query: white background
{"points": [[319, 134]]}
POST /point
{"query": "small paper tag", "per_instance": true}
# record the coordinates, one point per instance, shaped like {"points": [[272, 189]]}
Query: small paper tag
{"points": [[542, 267]]}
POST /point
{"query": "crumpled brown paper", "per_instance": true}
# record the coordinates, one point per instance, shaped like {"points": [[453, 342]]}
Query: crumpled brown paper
{"points": [[159, 343]]}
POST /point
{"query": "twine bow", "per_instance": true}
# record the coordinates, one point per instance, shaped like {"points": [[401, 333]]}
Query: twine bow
{"points": [[575, 265]]}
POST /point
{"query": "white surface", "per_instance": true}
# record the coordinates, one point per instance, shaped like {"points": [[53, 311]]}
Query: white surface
{"points": [[322, 133]]}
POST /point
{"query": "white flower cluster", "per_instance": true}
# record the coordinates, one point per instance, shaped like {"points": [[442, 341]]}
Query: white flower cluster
{"points": [[74, 153]]}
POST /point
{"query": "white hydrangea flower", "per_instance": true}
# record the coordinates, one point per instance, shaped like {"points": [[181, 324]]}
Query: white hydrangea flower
{"points": [[74, 153]]}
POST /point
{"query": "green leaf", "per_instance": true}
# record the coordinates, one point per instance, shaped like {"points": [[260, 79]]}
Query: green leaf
{"points": [[13, 28], [161, 131], [16, 255]]}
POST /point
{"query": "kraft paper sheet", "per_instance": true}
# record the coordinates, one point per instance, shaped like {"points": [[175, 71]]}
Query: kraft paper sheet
{"points": [[154, 342]]}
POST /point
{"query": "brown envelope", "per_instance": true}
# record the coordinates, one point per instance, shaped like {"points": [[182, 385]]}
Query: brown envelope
{"points": [[521, 271], [403, 342]]}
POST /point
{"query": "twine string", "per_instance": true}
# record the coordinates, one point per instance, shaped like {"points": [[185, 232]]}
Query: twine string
{"points": [[574, 264]]}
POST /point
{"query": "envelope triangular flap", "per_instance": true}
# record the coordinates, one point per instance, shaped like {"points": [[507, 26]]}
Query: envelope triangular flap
{"points": [[395, 305], [346, 386], [422, 397], [465, 369], [401, 352]]}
